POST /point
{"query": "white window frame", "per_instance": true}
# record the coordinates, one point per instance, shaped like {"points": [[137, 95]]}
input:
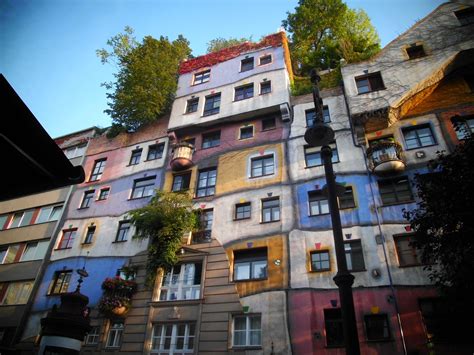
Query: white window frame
{"points": [[161, 338], [201, 73], [180, 284], [247, 330], [263, 56], [115, 334], [93, 336], [51, 213], [38, 252], [22, 294], [21, 220], [75, 151]]}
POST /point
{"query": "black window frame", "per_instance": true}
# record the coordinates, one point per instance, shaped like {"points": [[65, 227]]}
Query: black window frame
{"points": [[418, 138], [390, 186], [250, 256], [265, 87], [211, 139], [374, 82], [273, 209], [244, 92], [155, 151], [144, 188], [314, 263], [263, 167], [89, 234], [317, 197], [265, 122], [203, 235], [414, 254], [87, 199], [209, 104], [377, 320], [71, 233], [57, 277], [247, 64], [334, 328], [310, 116], [192, 105], [345, 201], [249, 128], [203, 78], [209, 189], [415, 51], [136, 156], [356, 251], [264, 57], [182, 180], [103, 194], [309, 152], [98, 169], [243, 210], [122, 231]]}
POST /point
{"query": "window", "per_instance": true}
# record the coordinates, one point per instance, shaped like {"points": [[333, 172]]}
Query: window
{"points": [[268, 123], [192, 105], [435, 313], [246, 132], [370, 82], [407, 254], [17, 293], [376, 327], [122, 232], [250, 264], [67, 239], [210, 140], [354, 255], [318, 203], [347, 200], [262, 166], [155, 151], [181, 182], [418, 136], [49, 213], [212, 105], [243, 210], [182, 282], [202, 77], [311, 116], [35, 251], [395, 190], [135, 157], [8, 253], [247, 330], [76, 151], [87, 199], [98, 170], [265, 87], [104, 194], [89, 235], [21, 219], [465, 16], [320, 261], [312, 155], [206, 182], [415, 51], [143, 187], [60, 282], [333, 325], [175, 339], [271, 210], [266, 59], [204, 234], [243, 92], [3, 220], [114, 338], [246, 64], [464, 126], [93, 336]]}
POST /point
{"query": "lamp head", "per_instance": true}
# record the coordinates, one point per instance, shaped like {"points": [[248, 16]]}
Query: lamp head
{"points": [[319, 134]]}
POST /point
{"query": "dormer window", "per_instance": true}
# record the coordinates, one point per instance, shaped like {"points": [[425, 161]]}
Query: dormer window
{"points": [[415, 51], [202, 77]]}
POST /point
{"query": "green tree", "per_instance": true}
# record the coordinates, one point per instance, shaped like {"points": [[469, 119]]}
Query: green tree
{"points": [[220, 43], [324, 31], [146, 78]]}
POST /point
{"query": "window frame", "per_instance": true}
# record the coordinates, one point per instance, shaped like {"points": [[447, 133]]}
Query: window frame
{"points": [[254, 257], [265, 90], [65, 281], [463, 19], [185, 181], [244, 92], [173, 338], [103, 194], [245, 64], [69, 240], [207, 186], [315, 153], [251, 127], [192, 105], [370, 85], [244, 212], [247, 331], [93, 334], [204, 234], [463, 126], [416, 129], [268, 119], [44, 245], [254, 161], [20, 296], [135, 156], [322, 269], [317, 197], [174, 283], [265, 56], [122, 233], [155, 151], [337, 321], [202, 77], [415, 51], [209, 111], [87, 199], [116, 330], [23, 220], [211, 139], [357, 251], [386, 326], [77, 150], [89, 236], [271, 208], [143, 188], [413, 252], [391, 182], [353, 205], [98, 169], [50, 213], [310, 116]]}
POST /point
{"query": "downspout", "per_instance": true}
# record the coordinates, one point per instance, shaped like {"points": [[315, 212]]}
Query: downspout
{"points": [[379, 224]]}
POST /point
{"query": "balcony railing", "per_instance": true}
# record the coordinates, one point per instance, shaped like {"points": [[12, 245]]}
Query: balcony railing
{"points": [[182, 156], [385, 158]]}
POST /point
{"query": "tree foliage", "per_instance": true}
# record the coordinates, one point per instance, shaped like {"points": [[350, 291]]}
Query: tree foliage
{"points": [[324, 31], [220, 43], [146, 78], [164, 220]]}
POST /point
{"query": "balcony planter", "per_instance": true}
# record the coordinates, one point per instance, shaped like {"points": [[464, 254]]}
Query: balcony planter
{"points": [[182, 158], [116, 300], [385, 158]]}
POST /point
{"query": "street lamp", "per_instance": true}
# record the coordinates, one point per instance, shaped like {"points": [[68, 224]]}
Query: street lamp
{"points": [[321, 134]]}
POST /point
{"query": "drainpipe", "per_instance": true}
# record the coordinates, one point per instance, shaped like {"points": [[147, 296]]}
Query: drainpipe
{"points": [[379, 224]]}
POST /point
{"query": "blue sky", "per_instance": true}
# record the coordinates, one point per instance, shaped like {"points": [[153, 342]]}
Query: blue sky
{"points": [[48, 46]]}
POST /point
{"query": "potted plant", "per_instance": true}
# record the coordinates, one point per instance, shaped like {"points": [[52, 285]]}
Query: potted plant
{"points": [[116, 299]]}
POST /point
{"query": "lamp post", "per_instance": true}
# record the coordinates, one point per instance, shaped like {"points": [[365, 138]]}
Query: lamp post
{"points": [[321, 134]]}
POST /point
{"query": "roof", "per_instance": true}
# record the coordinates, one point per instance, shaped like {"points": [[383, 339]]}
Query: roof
{"points": [[32, 161], [273, 40]]}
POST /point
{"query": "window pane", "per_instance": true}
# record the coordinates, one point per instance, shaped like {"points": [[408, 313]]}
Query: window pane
{"points": [[242, 271]]}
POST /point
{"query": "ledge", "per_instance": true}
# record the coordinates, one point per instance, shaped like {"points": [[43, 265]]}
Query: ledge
{"points": [[176, 303]]}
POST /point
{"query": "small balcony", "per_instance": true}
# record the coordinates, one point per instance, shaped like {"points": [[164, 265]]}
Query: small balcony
{"points": [[182, 156], [386, 158]]}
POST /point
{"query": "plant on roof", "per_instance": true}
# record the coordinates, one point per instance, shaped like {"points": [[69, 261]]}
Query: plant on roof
{"points": [[219, 43]]}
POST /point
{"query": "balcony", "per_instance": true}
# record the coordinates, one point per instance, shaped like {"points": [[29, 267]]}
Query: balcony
{"points": [[182, 156], [386, 158]]}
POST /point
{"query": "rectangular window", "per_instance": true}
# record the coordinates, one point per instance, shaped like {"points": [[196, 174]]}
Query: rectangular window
{"points": [[212, 105], [407, 254], [87, 199], [243, 92], [210, 140], [114, 338], [104, 194], [268, 123], [135, 157], [271, 210], [262, 166], [415, 51], [93, 336], [243, 210], [464, 126], [3, 220], [354, 255], [60, 282], [333, 325], [246, 64], [204, 234], [250, 264], [17, 293], [206, 182], [312, 155], [192, 105], [320, 261], [395, 190], [418, 136], [246, 132], [182, 282], [155, 151], [123, 230], [265, 87], [21, 219], [98, 170], [67, 239], [143, 187], [465, 16], [181, 182], [177, 339], [49, 213], [8, 254], [266, 59], [35, 251], [311, 116], [202, 77], [370, 82], [347, 200], [76, 151], [89, 235], [247, 330], [318, 203], [376, 327]]}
